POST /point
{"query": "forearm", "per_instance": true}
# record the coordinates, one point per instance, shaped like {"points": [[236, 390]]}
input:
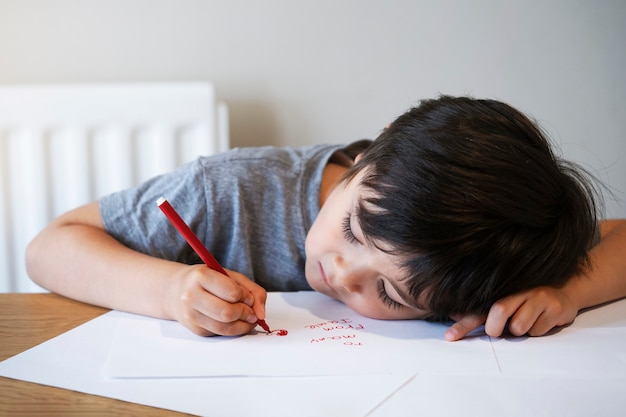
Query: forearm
{"points": [[76, 257], [85, 263], [605, 278]]}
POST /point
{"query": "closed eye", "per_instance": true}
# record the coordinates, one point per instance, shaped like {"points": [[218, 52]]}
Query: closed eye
{"points": [[347, 230], [388, 301]]}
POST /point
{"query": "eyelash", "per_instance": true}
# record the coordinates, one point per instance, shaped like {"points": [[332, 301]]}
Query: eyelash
{"points": [[347, 230], [349, 235], [385, 297]]}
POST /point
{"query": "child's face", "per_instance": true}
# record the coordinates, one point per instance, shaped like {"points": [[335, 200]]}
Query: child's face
{"points": [[341, 264]]}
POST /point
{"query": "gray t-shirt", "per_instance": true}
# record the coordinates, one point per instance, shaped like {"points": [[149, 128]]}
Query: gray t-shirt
{"points": [[251, 207]]}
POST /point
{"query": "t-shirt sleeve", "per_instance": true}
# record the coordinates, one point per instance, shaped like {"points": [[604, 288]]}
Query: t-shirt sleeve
{"points": [[251, 207], [134, 219]]}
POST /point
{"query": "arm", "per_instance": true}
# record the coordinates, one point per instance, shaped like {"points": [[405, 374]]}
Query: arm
{"points": [[537, 311], [75, 257]]}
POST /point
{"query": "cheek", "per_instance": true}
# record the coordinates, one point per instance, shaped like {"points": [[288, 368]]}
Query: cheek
{"points": [[366, 307], [318, 237], [315, 247], [373, 308], [310, 242]]}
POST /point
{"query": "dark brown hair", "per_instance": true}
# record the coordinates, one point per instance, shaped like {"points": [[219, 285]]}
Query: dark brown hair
{"points": [[471, 195]]}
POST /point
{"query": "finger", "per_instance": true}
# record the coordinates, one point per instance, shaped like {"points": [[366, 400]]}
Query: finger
{"points": [[222, 311], [216, 316], [206, 326], [541, 326], [545, 323], [557, 310], [463, 327], [225, 287], [258, 293], [500, 313], [524, 318]]}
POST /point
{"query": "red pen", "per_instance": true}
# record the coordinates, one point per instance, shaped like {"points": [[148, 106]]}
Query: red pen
{"points": [[195, 243]]}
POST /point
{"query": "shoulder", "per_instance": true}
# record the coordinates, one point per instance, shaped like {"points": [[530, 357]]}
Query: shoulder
{"points": [[271, 154], [256, 160]]}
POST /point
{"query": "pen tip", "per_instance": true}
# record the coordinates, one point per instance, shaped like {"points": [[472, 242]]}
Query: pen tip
{"points": [[264, 325]]}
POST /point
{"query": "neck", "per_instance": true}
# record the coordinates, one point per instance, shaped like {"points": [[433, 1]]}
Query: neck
{"points": [[330, 177]]}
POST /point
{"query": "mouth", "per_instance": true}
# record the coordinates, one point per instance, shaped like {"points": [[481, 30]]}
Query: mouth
{"points": [[324, 277]]}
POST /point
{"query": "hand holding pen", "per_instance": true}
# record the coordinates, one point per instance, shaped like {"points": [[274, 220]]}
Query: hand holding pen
{"points": [[225, 303]]}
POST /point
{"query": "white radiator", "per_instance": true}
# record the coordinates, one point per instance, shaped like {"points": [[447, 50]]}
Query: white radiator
{"points": [[62, 146]]}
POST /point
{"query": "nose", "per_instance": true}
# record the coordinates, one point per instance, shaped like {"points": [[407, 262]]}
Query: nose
{"points": [[349, 276]]}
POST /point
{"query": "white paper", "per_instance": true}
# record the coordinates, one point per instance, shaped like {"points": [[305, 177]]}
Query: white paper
{"points": [[74, 361], [325, 338], [573, 350], [577, 371], [589, 381], [508, 395]]}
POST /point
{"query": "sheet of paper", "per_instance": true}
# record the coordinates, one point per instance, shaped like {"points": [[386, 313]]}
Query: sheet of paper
{"points": [[594, 345], [74, 361], [579, 371], [325, 338], [508, 395]]}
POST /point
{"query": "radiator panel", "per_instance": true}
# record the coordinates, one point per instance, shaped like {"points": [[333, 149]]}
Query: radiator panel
{"points": [[49, 166]]}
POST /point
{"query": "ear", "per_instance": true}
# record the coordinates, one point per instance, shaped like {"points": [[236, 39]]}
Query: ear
{"points": [[358, 157]]}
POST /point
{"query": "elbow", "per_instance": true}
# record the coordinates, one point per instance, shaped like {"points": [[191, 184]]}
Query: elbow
{"points": [[33, 259]]}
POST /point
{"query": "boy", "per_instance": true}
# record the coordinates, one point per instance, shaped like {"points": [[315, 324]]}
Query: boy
{"points": [[459, 210]]}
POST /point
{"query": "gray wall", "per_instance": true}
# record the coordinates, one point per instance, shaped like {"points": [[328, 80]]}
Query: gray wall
{"points": [[308, 71]]}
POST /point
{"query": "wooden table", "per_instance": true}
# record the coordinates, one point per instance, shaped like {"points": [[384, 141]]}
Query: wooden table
{"points": [[27, 320]]}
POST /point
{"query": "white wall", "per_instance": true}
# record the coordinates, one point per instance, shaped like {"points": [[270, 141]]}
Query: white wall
{"points": [[308, 71]]}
